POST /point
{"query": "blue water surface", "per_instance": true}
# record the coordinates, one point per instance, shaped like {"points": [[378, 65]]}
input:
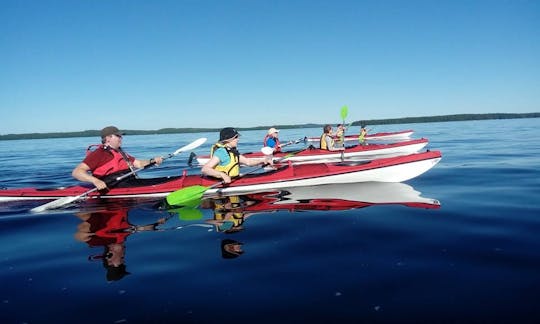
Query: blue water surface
{"points": [[476, 258]]}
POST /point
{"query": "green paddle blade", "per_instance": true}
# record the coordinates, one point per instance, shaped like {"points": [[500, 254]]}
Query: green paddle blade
{"points": [[344, 112], [189, 196]]}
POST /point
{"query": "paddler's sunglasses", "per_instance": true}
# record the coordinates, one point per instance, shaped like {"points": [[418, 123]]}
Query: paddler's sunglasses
{"points": [[119, 136]]}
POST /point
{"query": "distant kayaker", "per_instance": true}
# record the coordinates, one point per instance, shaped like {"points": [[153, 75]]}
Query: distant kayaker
{"points": [[362, 135], [327, 140], [338, 136], [109, 161], [225, 159], [271, 140]]}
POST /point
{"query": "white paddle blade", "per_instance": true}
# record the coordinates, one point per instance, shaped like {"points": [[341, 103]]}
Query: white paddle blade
{"points": [[191, 145], [55, 204], [267, 150]]}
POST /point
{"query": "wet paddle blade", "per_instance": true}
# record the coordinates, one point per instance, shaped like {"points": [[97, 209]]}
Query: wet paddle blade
{"points": [[191, 146], [55, 204], [188, 196]]}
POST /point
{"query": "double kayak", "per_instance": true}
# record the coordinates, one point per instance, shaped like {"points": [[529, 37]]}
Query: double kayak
{"points": [[393, 169], [382, 136], [356, 152]]}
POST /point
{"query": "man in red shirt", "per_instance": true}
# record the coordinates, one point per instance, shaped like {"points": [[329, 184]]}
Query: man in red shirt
{"points": [[109, 161]]}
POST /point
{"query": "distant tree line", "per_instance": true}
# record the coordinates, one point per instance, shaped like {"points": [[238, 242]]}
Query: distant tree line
{"points": [[445, 118], [371, 122]]}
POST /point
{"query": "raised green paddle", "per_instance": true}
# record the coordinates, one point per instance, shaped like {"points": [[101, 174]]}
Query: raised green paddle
{"points": [[344, 113]]}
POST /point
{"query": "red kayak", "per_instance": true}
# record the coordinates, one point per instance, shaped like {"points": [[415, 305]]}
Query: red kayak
{"points": [[382, 136], [369, 151], [394, 169]]}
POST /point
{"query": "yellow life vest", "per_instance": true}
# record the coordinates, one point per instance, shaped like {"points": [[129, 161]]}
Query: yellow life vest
{"points": [[233, 167], [361, 137], [322, 142]]}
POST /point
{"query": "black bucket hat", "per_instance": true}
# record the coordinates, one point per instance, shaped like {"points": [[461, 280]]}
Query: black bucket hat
{"points": [[227, 133]]}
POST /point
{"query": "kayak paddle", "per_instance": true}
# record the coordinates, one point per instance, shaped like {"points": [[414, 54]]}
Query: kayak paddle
{"points": [[304, 139], [344, 113], [191, 196], [69, 199]]}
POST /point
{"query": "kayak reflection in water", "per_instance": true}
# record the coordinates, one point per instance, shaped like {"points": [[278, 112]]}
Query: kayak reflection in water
{"points": [[230, 212], [110, 229]]}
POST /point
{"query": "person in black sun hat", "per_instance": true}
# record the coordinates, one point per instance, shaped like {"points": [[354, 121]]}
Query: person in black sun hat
{"points": [[225, 159]]}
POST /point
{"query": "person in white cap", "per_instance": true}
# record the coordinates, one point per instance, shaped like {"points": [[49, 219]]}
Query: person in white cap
{"points": [[271, 140]]}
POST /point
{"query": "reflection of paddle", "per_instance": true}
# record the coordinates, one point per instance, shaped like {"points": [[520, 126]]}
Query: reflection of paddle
{"points": [[208, 226], [69, 199], [191, 195]]}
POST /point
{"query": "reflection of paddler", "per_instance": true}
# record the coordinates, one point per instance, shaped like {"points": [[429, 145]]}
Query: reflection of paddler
{"points": [[231, 249], [103, 227], [110, 229], [228, 214], [114, 262]]}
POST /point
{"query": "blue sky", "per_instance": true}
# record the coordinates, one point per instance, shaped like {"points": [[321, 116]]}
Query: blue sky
{"points": [[76, 65]]}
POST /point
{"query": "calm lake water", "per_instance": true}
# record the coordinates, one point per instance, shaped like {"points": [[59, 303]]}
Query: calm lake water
{"points": [[474, 258]]}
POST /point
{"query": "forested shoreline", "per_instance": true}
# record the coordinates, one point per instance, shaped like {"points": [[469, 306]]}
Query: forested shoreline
{"points": [[372, 122]]}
